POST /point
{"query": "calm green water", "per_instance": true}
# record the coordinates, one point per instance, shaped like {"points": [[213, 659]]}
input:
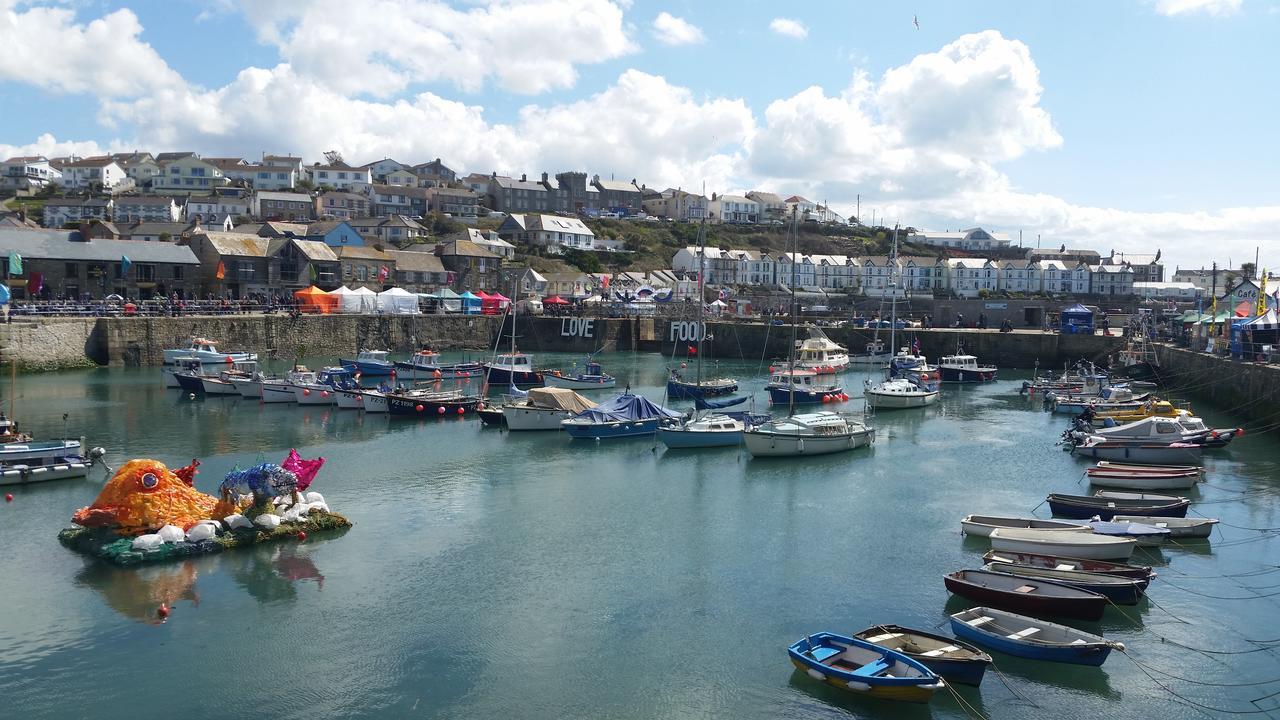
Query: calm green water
{"points": [[531, 576]]}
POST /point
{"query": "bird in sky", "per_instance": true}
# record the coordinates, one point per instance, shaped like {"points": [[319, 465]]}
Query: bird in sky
{"points": [[915, 20]]}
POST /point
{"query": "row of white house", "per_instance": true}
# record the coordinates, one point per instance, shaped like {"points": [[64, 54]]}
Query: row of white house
{"points": [[966, 277]]}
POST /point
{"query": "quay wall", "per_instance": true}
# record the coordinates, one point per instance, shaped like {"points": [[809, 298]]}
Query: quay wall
{"points": [[1252, 389], [56, 343]]}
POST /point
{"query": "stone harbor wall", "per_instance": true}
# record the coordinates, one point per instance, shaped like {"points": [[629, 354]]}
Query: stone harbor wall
{"points": [[1251, 389], [45, 346]]}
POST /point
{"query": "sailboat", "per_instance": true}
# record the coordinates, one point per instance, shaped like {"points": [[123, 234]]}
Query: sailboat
{"points": [[677, 387], [919, 390], [816, 433]]}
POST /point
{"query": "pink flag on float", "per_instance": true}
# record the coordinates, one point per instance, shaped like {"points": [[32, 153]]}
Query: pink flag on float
{"points": [[305, 469]]}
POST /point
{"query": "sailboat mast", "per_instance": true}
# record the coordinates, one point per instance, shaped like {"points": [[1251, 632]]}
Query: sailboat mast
{"points": [[702, 269], [791, 354], [895, 271]]}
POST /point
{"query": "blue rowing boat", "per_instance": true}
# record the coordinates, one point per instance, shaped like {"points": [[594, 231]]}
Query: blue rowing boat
{"points": [[864, 667], [1026, 637]]}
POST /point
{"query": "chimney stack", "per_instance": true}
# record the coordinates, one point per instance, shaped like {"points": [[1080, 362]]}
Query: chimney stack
{"points": [[84, 230], [524, 178]]}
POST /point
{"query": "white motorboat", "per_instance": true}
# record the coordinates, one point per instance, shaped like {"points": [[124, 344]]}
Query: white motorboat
{"points": [[374, 401], [280, 390], [816, 433], [1185, 428], [184, 365], [321, 390], [349, 399], [874, 356], [897, 393], [1087, 546], [1127, 480], [250, 387], [224, 383], [1101, 448], [28, 461], [206, 351], [543, 408], [982, 525], [819, 354]]}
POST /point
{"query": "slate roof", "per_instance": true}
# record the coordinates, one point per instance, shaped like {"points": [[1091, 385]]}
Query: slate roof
{"points": [[237, 244], [416, 261], [315, 250], [60, 245]]}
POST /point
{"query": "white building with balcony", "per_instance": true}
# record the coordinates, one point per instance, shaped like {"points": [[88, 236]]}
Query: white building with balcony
{"points": [[28, 172], [734, 209]]}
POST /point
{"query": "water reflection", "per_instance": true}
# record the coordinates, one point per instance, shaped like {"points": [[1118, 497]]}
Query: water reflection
{"points": [[136, 593]]}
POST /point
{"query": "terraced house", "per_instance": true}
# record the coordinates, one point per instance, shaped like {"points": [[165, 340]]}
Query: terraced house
{"points": [[59, 211], [339, 176], [66, 264], [186, 173], [146, 208]]}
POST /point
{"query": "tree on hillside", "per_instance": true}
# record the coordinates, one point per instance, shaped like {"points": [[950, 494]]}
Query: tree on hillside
{"points": [[333, 157], [1248, 270]]}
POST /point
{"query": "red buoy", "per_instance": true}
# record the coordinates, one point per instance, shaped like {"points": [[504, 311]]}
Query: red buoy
{"points": [[8, 497], [302, 535], [435, 374], [229, 360], [440, 410], [162, 612], [419, 408], [1239, 431], [462, 411], [306, 391], [324, 393]]}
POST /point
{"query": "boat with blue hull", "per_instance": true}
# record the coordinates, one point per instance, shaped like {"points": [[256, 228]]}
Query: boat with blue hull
{"points": [[680, 389], [862, 667], [1032, 638], [625, 415], [965, 369], [514, 368], [954, 660], [801, 387], [592, 377], [426, 364], [370, 363]]}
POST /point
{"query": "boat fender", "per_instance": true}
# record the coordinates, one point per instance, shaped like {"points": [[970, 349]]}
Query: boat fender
{"points": [[800, 444], [815, 674], [171, 534], [440, 410], [418, 408], [859, 686], [1116, 644], [935, 686]]}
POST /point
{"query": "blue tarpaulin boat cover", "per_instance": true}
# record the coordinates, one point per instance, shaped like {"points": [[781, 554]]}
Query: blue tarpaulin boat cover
{"points": [[625, 407], [703, 404]]}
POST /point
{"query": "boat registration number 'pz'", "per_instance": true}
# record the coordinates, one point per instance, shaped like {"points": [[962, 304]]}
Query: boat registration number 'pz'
{"points": [[577, 327]]}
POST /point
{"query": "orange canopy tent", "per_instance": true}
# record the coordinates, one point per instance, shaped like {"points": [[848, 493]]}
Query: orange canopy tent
{"points": [[315, 300]]}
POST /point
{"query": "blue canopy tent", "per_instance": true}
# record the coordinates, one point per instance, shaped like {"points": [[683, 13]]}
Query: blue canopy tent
{"points": [[471, 303], [1076, 319]]}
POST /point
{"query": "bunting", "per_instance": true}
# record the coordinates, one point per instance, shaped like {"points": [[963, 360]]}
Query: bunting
{"points": [[15, 264]]}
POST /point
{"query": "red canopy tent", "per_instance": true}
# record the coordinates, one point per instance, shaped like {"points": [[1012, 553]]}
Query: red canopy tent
{"points": [[554, 300]]}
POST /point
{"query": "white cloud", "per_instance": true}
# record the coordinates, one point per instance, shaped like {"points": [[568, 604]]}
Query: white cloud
{"points": [[389, 45], [790, 28], [48, 48], [50, 146], [1216, 8], [672, 30]]}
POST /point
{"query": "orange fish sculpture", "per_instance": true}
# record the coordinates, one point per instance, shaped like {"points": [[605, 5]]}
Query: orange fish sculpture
{"points": [[144, 496]]}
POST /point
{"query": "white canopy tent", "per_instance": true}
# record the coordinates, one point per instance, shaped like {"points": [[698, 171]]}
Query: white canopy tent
{"points": [[397, 301], [344, 299], [450, 300], [364, 299]]}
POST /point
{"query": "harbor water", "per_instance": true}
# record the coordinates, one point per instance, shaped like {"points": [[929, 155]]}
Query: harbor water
{"points": [[528, 575]]}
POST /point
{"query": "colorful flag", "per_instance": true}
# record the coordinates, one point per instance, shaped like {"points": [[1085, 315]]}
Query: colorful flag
{"points": [[125, 263], [15, 264], [221, 272], [1262, 293], [35, 281], [312, 266], [382, 273], [449, 277], [605, 280]]}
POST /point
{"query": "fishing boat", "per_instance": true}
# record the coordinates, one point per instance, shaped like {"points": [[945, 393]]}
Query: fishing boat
{"points": [[982, 525], [1178, 527], [908, 363], [280, 390], [206, 351], [1151, 408], [1119, 590], [864, 667], [1125, 476], [251, 387], [916, 390], [185, 366], [426, 363], [224, 382], [430, 403], [624, 415], [1108, 399], [965, 369], [351, 399], [874, 355], [374, 400], [1053, 542], [513, 368], [1033, 596], [1058, 562], [319, 389], [592, 377], [819, 354], [1145, 535], [1026, 637], [28, 461], [370, 363], [801, 387], [1138, 359], [543, 408], [679, 387], [953, 660], [1185, 428], [1108, 504], [1100, 448]]}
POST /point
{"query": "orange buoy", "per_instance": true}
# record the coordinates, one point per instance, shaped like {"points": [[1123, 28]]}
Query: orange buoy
{"points": [[324, 393], [162, 612]]}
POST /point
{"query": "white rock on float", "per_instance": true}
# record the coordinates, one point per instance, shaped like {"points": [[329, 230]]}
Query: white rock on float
{"points": [[202, 531], [171, 534], [314, 497], [319, 506], [267, 520], [237, 521], [290, 515], [148, 542]]}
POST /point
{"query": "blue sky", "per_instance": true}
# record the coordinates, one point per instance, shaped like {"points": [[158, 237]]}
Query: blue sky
{"points": [[1162, 109]]}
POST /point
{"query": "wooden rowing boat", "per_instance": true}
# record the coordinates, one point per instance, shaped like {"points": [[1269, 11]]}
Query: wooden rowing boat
{"points": [[1037, 597]]}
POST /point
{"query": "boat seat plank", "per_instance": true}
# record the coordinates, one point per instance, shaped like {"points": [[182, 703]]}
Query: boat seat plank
{"points": [[872, 669], [1023, 633], [1065, 566], [978, 621], [823, 653], [1025, 588], [882, 638], [940, 651]]}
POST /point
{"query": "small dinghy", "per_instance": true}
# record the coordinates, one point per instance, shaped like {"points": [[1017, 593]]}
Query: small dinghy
{"points": [[1031, 638], [955, 660], [1125, 467], [1146, 535], [1100, 448], [863, 667], [1106, 505], [982, 525], [1128, 477], [1035, 596], [1058, 562], [1119, 590], [1177, 527], [1055, 542]]}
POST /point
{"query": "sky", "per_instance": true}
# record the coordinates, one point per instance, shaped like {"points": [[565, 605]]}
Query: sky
{"points": [[1133, 125]]}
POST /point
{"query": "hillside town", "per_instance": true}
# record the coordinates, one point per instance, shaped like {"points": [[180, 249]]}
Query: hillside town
{"points": [[181, 225]]}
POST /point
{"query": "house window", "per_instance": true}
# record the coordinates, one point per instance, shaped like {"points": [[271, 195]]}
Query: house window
{"points": [[282, 176], [324, 176], [177, 272], [72, 270]]}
